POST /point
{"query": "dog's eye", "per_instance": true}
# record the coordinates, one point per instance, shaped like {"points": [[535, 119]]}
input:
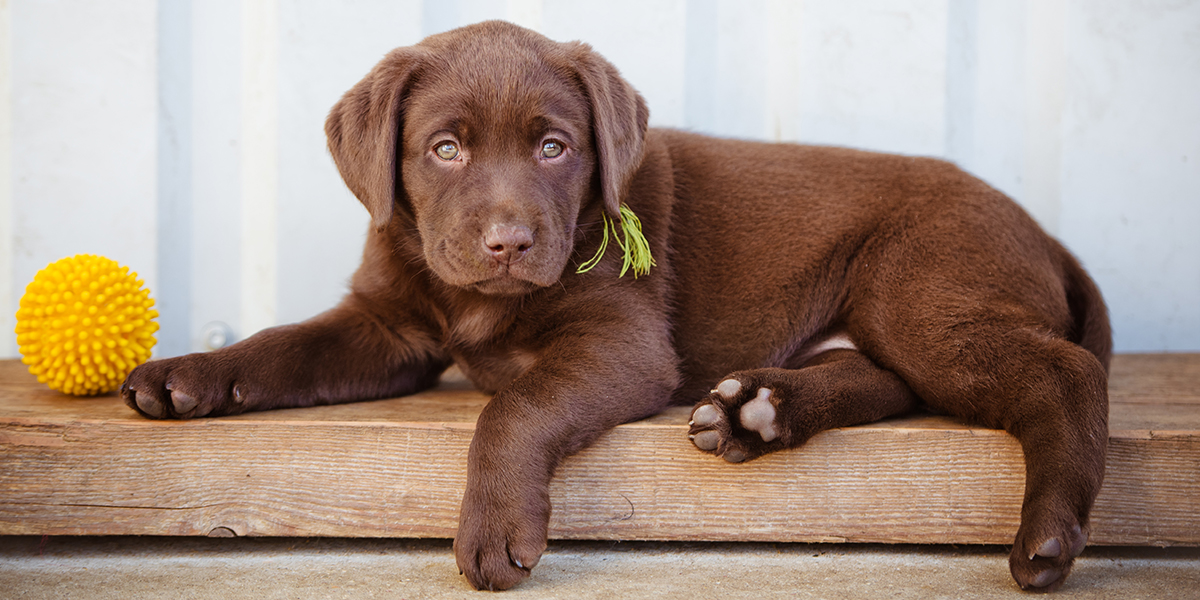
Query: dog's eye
{"points": [[446, 151], [552, 149]]}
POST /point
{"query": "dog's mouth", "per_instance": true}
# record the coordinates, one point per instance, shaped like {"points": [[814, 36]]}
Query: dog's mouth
{"points": [[487, 277], [504, 285], [471, 269]]}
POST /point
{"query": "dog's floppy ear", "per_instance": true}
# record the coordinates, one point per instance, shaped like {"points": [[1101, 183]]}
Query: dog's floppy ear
{"points": [[364, 132], [619, 118]]}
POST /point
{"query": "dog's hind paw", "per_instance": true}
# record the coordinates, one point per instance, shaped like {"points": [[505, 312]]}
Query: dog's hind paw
{"points": [[738, 420], [1042, 566]]}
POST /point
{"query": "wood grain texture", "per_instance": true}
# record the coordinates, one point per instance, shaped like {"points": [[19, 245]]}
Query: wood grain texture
{"points": [[396, 468]]}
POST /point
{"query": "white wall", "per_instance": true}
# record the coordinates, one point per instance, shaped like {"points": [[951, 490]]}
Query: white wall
{"points": [[81, 139], [184, 138]]}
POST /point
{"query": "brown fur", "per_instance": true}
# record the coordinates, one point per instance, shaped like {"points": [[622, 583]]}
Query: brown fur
{"points": [[849, 285]]}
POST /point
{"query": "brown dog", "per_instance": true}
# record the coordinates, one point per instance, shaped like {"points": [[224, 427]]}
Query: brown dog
{"points": [[807, 287]]}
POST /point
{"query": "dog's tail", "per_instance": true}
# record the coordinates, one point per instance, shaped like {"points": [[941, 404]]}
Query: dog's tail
{"points": [[1092, 329]]}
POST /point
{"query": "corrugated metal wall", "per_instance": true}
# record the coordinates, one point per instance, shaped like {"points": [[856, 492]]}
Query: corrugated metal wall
{"points": [[185, 138]]}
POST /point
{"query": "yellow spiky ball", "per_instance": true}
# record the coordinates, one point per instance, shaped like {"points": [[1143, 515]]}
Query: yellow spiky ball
{"points": [[84, 323]]}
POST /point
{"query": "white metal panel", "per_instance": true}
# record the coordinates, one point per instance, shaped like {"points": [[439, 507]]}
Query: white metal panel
{"points": [[326, 48], [260, 164], [215, 167], [874, 74], [1131, 165], [784, 81], [1006, 63], [442, 15], [129, 140], [645, 40], [8, 285], [740, 82], [985, 90], [173, 294], [83, 140], [1045, 92]]}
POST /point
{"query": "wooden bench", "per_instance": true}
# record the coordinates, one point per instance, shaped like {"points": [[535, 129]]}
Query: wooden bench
{"points": [[396, 468]]}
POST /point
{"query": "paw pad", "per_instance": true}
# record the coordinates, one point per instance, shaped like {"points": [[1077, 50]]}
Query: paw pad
{"points": [[759, 415], [721, 424], [729, 388], [1051, 548], [707, 440], [1045, 578], [705, 415]]}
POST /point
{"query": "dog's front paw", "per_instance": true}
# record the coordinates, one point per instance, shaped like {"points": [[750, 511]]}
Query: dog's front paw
{"points": [[740, 419], [184, 387], [1043, 553], [497, 545]]}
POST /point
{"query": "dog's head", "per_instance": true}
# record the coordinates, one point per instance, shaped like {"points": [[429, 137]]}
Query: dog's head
{"points": [[492, 139]]}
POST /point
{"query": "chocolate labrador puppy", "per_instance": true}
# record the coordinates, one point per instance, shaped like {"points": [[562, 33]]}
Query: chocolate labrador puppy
{"points": [[793, 289]]}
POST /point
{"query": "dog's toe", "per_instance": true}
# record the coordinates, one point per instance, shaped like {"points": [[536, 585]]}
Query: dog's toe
{"points": [[706, 416], [729, 388], [1051, 548], [149, 404], [707, 440], [1079, 539], [183, 403], [1045, 578]]}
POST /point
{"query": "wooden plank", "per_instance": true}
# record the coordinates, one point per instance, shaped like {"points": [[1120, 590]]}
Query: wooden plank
{"points": [[396, 468]]}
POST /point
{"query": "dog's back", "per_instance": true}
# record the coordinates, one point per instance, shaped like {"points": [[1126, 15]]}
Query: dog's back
{"points": [[772, 244]]}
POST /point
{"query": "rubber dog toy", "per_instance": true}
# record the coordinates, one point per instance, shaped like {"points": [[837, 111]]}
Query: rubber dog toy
{"points": [[84, 323]]}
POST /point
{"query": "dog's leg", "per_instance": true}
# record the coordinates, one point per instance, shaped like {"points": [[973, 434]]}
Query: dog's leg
{"points": [[1051, 395], [990, 368], [757, 411], [1062, 425], [342, 355], [580, 390]]}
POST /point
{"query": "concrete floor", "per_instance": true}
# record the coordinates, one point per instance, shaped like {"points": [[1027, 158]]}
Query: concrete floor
{"points": [[261, 569]]}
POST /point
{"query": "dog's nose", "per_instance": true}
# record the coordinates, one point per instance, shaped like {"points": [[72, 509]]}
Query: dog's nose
{"points": [[508, 243]]}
